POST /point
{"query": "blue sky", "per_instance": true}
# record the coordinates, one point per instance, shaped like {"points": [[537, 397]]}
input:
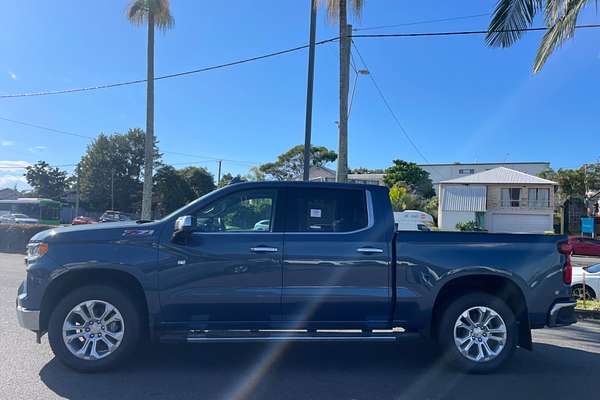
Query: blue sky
{"points": [[457, 99]]}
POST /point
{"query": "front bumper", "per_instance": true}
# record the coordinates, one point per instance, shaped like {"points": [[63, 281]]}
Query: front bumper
{"points": [[562, 313], [28, 319]]}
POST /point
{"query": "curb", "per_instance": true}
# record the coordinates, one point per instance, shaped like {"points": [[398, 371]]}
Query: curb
{"points": [[587, 314]]}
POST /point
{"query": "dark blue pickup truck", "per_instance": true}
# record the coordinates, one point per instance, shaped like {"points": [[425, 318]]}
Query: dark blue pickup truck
{"points": [[290, 261]]}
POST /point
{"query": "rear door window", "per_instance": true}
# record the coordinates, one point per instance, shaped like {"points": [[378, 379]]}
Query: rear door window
{"points": [[326, 210]]}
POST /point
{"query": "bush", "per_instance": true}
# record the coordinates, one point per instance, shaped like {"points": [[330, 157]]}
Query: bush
{"points": [[14, 238], [470, 226]]}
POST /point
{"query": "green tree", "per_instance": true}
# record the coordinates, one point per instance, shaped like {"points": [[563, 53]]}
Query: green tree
{"points": [[338, 11], [153, 13], [171, 190], [229, 179], [571, 183], [410, 175], [290, 164], [402, 199], [48, 182], [199, 179], [431, 207], [115, 161], [255, 175], [512, 16]]}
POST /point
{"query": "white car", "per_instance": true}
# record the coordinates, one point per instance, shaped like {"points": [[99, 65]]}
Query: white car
{"points": [[17, 219], [586, 278], [413, 220]]}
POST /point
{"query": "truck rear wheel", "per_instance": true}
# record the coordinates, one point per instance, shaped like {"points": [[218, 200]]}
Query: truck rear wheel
{"points": [[94, 328], [477, 332]]}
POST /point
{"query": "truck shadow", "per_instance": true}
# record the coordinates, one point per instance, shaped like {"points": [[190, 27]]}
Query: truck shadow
{"points": [[408, 369]]}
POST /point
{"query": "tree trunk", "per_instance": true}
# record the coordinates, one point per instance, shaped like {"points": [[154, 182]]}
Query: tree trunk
{"points": [[149, 139], [342, 164]]}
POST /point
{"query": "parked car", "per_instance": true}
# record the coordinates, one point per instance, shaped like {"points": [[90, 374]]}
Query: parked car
{"points": [[331, 266], [413, 220], [81, 220], [14, 218], [585, 246], [586, 281], [114, 216]]}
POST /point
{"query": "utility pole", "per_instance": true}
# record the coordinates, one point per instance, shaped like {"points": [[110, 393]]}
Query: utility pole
{"points": [[309, 88], [112, 189], [219, 162], [149, 137], [345, 40], [77, 197]]}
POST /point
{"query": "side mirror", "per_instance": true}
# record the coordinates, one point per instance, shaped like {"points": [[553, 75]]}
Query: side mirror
{"points": [[184, 226]]}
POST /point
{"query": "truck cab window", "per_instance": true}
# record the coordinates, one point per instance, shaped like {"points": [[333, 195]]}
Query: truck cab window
{"points": [[321, 210], [245, 211]]}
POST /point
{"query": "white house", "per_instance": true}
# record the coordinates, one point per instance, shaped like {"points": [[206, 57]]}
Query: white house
{"points": [[444, 172], [499, 200]]}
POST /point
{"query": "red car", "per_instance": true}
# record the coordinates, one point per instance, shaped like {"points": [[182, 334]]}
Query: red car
{"points": [[585, 246], [82, 221]]}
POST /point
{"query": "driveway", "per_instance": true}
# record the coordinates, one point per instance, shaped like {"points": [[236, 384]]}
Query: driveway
{"points": [[565, 363]]}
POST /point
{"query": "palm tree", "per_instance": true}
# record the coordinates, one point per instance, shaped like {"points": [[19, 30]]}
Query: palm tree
{"points": [[156, 14], [511, 16], [338, 10]]}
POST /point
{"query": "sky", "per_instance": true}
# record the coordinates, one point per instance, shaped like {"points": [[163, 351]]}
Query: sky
{"points": [[458, 100]]}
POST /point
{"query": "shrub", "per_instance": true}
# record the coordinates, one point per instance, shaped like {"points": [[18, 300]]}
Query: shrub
{"points": [[469, 226], [14, 238]]}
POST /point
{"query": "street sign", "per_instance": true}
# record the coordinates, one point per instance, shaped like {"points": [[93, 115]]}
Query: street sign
{"points": [[587, 225]]}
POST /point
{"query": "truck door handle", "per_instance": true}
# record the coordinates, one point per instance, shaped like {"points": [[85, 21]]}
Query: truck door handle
{"points": [[263, 249], [369, 250]]}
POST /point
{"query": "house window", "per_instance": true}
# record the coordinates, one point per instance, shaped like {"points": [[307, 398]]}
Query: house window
{"points": [[510, 197], [539, 198], [467, 171]]}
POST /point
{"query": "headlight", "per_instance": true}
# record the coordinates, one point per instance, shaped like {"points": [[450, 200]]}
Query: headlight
{"points": [[36, 250]]}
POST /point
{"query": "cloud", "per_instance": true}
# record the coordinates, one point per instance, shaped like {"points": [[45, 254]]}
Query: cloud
{"points": [[13, 166], [37, 149], [11, 180], [7, 143], [12, 75]]}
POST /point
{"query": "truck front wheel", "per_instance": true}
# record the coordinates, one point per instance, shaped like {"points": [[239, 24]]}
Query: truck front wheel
{"points": [[94, 328], [477, 332]]}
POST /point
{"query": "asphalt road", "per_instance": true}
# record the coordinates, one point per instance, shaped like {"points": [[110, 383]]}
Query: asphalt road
{"points": [[565, 363]]}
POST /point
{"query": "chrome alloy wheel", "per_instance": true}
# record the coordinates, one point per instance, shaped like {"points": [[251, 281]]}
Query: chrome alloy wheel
{"points": [[93, 329], [480, 334]]}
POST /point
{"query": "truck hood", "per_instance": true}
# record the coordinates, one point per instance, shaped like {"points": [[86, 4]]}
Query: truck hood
{"points": [[98, 232]]}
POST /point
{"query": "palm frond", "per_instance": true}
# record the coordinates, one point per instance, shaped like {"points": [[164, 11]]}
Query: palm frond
{"points": [[563, 29], [333, 8], [138, 11], [510, 17], [554, 8]]}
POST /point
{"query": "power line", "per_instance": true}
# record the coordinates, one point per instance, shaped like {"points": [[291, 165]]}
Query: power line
{"points": [[274, 54], [387, 104], [462, 33], [429, 21], [67, 133], [169, 76]]}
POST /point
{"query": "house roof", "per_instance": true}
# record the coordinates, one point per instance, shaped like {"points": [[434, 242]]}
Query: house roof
{"points": [[459, 164], [501, 175]]}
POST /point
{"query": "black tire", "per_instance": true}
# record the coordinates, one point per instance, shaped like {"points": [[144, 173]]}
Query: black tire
{"points": [[577, 291], [131, 335], [445, 332]]}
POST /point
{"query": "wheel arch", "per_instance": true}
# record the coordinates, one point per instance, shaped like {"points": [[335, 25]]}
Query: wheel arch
{"points": [[72, 279], [500, 286]]}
